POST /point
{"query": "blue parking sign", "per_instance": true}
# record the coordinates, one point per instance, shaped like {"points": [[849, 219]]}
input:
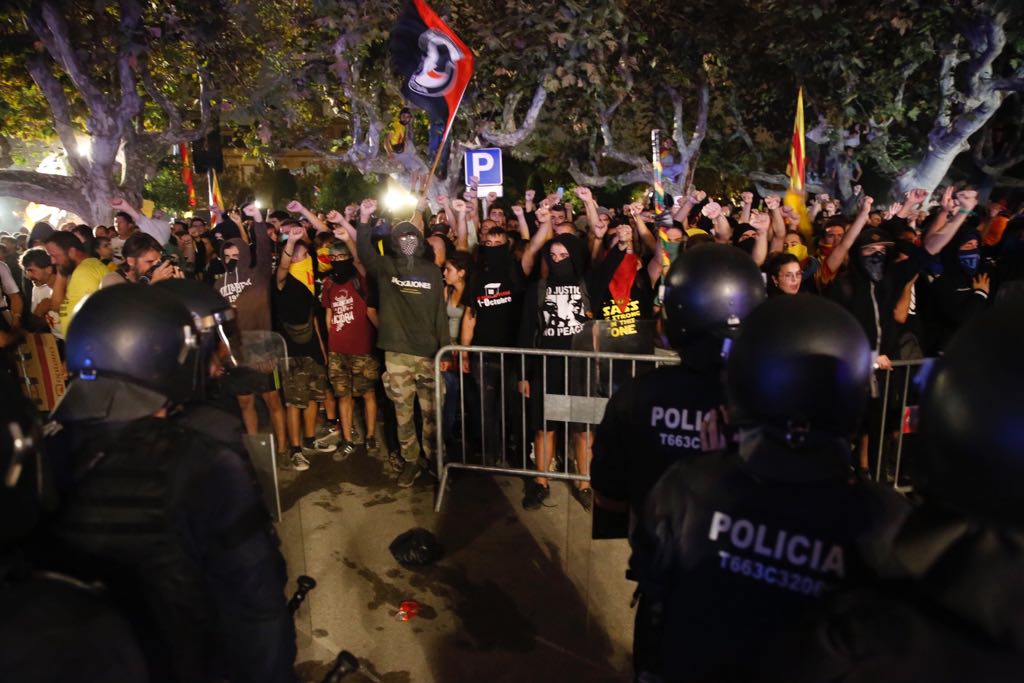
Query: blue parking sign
{"points": [[485, 164]]}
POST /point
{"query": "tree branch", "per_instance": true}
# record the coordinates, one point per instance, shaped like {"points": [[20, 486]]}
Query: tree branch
{"points": [[637, 175], [44, 188], [986, 42], [47, 21], [56, 98], [517, 136]]}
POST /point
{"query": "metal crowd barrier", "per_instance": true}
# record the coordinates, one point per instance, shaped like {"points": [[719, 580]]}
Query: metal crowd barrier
{"points": [[897, 387], [504, 440], [589, 379]]}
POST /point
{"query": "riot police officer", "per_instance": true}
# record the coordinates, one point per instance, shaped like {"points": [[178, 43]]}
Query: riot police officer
{"points": [[210, 411], [949, 608], [655, 419], [166, 516], [53, 627], [734, 547]]}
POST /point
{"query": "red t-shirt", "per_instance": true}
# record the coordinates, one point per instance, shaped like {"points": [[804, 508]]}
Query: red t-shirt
{"points": [[348, 329]]}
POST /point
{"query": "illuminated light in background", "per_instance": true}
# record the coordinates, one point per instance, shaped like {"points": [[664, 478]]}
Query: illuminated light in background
{"points": [[396, 198], [85, 147]]}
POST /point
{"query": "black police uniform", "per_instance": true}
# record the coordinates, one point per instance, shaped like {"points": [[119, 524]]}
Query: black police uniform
{"points": [[650, 423], [171, 521], [732, 549], [949, 612]]}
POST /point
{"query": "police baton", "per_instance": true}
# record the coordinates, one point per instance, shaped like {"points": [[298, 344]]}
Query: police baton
{"points": [[305, 584]]}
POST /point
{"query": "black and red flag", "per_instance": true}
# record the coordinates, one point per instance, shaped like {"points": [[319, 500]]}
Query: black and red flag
{"points": [[436, 64]]}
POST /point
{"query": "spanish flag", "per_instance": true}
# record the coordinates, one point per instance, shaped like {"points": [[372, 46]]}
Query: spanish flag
{"points": [[797, 169]]}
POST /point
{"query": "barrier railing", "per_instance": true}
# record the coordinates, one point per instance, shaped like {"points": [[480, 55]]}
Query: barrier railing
{"points": [[574, 387], [896, 387], [494, 428]]}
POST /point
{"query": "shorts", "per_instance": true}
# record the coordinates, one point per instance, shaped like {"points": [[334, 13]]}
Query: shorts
{"points": [[352, 375], [306, 381], [247, 382]]}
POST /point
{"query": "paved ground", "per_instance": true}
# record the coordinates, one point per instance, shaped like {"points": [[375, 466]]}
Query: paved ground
{"points": [[518, 595]]}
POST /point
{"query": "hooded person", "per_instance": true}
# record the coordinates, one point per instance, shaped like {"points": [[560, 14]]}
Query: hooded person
{"points": [[413, 326], [961, 291]]}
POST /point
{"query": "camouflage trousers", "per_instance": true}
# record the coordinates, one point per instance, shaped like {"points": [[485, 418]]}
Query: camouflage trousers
{"points": [[407, 378]]}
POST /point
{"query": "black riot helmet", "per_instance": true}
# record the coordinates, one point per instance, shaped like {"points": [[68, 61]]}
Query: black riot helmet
{"points": [[972, 419], [800, 365], [213, 316], [708, 291], [131, 350]]}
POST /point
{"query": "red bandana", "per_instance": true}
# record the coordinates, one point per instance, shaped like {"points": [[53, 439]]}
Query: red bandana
{"points": [[622, 281]]}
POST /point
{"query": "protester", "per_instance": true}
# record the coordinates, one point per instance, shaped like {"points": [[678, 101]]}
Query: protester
{"points": [[78, 274]]}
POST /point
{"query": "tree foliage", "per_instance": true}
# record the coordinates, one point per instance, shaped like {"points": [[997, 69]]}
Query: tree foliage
{"points": [[566, 85]]}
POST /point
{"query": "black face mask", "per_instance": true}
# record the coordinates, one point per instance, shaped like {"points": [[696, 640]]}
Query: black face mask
{"points": [[495, 257], [561, 271], [747, 245], [874, 265], [231, 265], [343, 271]]}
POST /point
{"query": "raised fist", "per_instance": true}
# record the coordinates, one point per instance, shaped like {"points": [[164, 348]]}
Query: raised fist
{"points": [[697, 196], [442, 199], [747, 198], [760, 221], [866, 202], [474, 181], [712, 210], [118, 203], [458, 206], [543, 214], [917, 195], [294, 206], [335, 217], [584, 194], [252, 212], [518, 210], [772, 201], [967, 199], [492, 197]]}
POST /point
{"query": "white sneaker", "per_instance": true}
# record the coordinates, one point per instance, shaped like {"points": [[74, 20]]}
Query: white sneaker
{"points": [[299, 462]]}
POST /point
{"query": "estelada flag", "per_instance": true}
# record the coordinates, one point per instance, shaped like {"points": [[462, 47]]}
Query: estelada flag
{"points": [[797, 168], [436, 64], [797, 154]]}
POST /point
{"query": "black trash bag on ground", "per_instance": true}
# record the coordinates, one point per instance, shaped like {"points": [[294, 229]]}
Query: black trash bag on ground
{"points": [[416, 547]]}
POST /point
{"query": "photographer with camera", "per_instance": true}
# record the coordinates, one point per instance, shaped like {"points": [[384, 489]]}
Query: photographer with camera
{"points": [[144, 263]]}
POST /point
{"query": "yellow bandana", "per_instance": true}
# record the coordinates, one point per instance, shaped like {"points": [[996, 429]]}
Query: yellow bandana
{"points": [[303, 272]]}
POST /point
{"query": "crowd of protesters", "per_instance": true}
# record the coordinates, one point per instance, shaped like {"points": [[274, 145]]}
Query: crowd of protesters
{"points": [[364, 301]]}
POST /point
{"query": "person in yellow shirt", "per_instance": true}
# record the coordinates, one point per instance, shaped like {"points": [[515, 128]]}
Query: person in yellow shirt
{"points": [[79, 274]]}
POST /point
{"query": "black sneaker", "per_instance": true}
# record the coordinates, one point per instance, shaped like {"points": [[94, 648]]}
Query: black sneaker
{"points": [[344, 451], [371, 446], [585, 497], [534, 495], [410, 471]]}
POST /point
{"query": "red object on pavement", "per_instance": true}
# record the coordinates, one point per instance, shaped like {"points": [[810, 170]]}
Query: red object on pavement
{"points": [[407, 609]]}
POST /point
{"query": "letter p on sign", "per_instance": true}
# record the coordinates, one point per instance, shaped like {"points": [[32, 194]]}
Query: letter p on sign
{"points": [[485, 164]]}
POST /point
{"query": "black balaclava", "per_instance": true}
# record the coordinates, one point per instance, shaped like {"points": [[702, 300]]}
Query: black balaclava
{"points": [[495, 259], [873, 265]]}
